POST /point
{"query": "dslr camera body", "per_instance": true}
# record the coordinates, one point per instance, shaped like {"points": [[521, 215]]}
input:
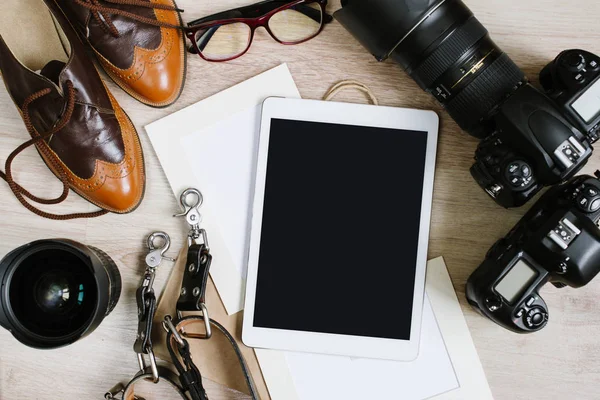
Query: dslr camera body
{"points": [[530, 139], [557, 241], [554, 134]]}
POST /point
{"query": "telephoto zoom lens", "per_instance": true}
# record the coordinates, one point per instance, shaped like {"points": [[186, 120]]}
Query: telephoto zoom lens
{"points": [[55, 292], [444, 48]]}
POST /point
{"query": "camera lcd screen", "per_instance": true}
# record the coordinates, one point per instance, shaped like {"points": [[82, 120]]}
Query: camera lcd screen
{"points": [[588, 104], [514, 283], [340, 229]]}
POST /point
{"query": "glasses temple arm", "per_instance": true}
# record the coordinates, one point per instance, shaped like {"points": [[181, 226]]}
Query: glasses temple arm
{"points": [[313, 14], [204, 39]]}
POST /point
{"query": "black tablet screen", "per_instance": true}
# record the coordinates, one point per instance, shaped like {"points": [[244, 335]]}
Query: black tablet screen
{"points": [[340, 229]]}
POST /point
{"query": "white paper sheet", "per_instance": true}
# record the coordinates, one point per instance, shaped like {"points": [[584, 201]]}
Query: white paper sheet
{"points": [[211, 156], [217, 157], [447, 367], [377, 379]]}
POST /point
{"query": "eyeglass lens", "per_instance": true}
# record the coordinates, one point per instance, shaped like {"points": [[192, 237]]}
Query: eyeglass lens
{"points": [[291, 25], [223, 42], [298, 23]]}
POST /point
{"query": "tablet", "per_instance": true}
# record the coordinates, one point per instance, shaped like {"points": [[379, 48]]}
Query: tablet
{"points": [[340, 228]]}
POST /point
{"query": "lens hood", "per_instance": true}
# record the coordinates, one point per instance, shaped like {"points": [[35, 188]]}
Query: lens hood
{"points": [[381, 25]]}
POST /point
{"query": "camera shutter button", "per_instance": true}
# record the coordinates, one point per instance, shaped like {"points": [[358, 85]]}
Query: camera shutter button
{"points": [[595, 206], [535, 318], [589, 199], [574, 61]]}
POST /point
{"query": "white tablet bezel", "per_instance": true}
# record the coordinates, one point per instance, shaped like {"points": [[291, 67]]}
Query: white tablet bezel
{"points": [[355, 115]]}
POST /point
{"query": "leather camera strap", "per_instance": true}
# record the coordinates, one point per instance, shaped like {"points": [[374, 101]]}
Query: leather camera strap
{"points": [[187, 382], [167, 377], [195, 278], [192, 298], [189, 375]]}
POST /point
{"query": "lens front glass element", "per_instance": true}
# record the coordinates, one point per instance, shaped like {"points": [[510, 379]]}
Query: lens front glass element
{"points": [[224, 42], [297, 23], [53, 293]]}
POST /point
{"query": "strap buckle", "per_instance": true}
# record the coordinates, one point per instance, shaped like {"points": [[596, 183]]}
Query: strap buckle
{"points": [[207, 326], [153, 366]]}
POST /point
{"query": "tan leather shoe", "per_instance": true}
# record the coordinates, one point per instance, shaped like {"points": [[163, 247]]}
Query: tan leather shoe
{"points": [[78, 127], [136, 44]]}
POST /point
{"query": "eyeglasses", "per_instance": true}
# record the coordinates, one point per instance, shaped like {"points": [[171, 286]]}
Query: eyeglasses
{"points": [[228, 35]]}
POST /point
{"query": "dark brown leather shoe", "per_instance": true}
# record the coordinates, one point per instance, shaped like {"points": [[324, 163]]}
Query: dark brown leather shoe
{"points": [[78, 127], [136, 43]]}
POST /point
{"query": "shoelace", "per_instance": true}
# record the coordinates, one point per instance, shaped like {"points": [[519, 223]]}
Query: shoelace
{"points": [[19, 191], [101, 13]]}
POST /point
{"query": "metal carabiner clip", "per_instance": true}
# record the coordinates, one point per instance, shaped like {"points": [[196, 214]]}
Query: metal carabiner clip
{"points": [[157, 254], [191, 212], [168, 326]]}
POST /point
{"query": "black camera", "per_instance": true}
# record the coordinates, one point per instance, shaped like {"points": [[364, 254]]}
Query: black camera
{"points": [[557, 241], [54, 292], [573, 82], [530, 140]]}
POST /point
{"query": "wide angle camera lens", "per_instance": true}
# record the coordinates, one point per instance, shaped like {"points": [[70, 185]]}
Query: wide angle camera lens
{"points": [[443, 47], [55, 292], [52, 292]]}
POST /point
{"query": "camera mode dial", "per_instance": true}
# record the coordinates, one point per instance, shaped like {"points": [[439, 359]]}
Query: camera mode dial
{"points": [[518, 173], [493, 303]]}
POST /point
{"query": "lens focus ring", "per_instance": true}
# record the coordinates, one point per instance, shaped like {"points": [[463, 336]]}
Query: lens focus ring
{"points": [[449, 52], [486, 91], [114, 277]]}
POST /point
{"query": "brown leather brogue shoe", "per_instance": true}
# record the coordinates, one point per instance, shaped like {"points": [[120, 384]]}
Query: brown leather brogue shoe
{"points": [[136, 43], [77, 126]]}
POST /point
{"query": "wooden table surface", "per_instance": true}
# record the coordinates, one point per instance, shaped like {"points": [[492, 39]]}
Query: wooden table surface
{"points": [[562, 361]]}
